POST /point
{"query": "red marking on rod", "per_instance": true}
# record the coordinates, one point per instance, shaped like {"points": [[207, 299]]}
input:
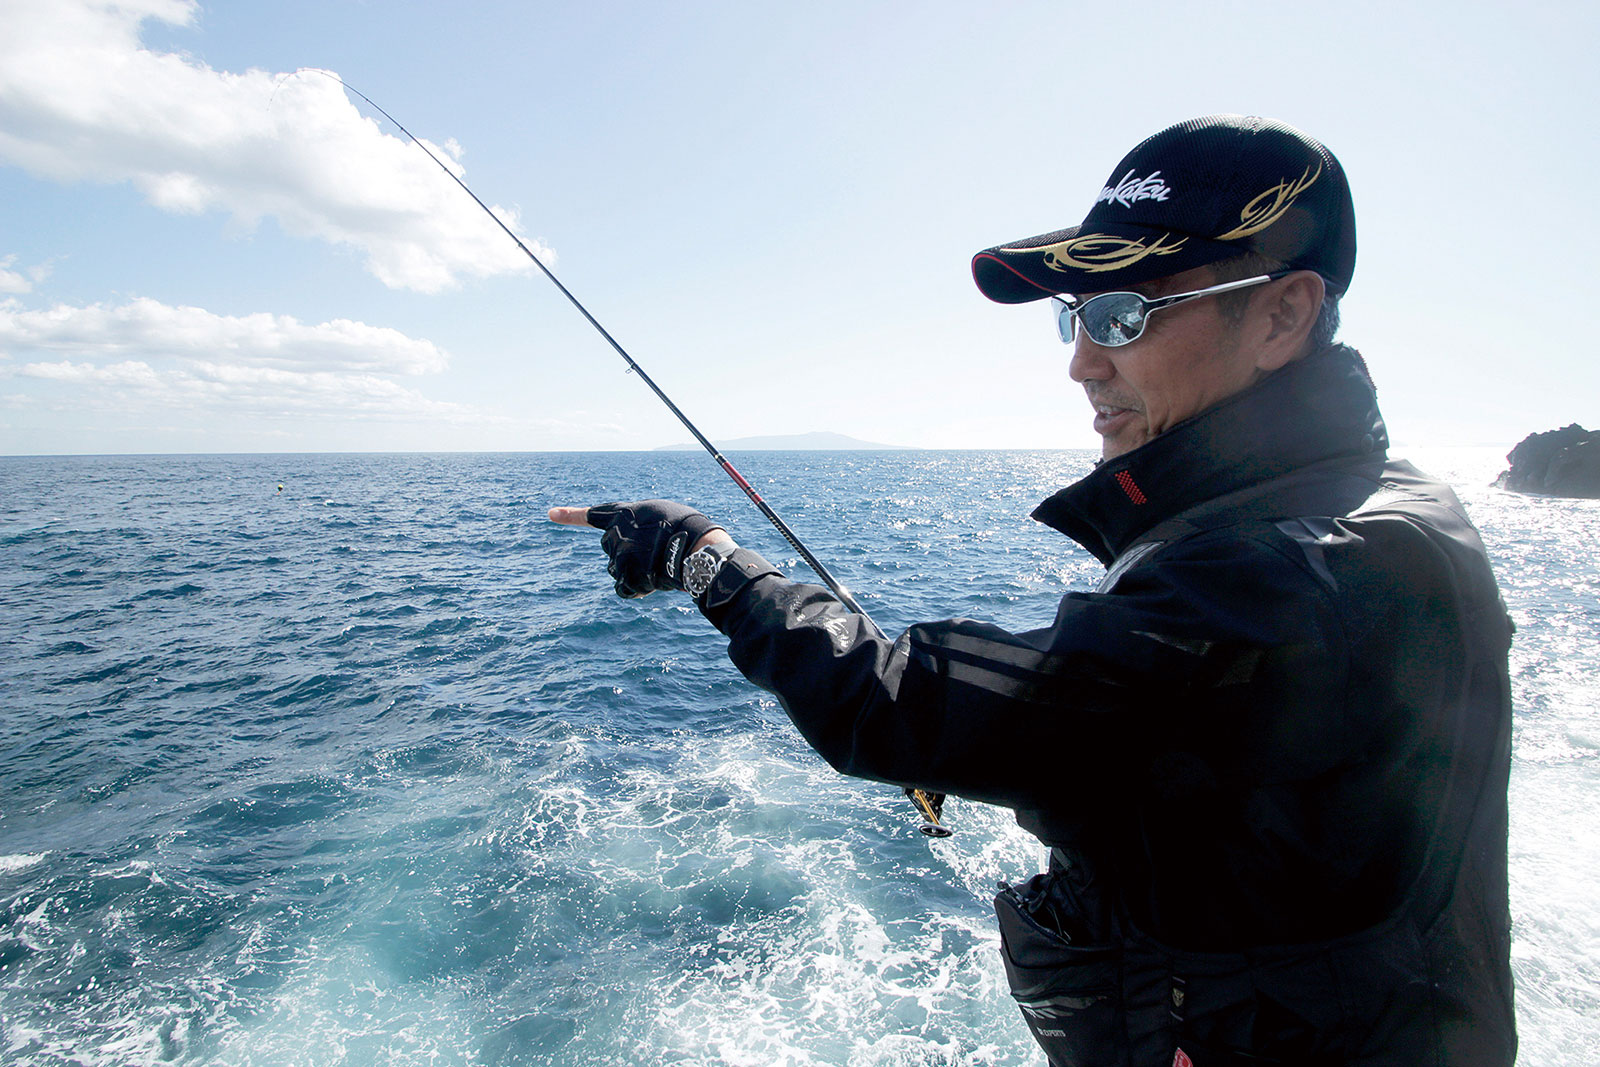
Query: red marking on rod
{"points": [[739, 479], [1130, 487]]}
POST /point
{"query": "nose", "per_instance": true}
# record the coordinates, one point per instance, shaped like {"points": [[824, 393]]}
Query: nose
{"points": [[1089, 361]]}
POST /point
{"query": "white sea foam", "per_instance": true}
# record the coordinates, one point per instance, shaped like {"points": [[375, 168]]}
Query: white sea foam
{"points": [[20, 861]]}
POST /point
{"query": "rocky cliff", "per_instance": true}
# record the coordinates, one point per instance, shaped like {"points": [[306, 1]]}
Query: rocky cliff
{"points": [[1564, 462]]}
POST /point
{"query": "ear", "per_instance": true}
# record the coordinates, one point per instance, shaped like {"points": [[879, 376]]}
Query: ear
{"points": [[1284, 312]]}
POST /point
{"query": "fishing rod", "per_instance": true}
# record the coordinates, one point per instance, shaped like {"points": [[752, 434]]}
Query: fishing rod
{"points": [[929, 805]]}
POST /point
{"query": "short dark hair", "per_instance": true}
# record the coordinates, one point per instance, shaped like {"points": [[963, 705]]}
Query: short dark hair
{"points": [[1232, 305]]}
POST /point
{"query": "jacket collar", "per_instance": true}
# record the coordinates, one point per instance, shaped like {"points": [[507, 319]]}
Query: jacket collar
{"points": [[1319, 408]]}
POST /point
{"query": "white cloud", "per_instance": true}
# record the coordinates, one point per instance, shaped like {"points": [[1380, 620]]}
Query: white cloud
{"points": [[10, 280], [129, 374], [243, 393], [150, 328], [81, 100], [148, 355]]}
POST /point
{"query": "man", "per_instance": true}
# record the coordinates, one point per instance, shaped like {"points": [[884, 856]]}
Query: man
{"points": [[1269, 754]]}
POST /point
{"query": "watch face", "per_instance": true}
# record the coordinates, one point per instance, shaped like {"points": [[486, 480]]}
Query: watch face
{"points": [[699, 570]]}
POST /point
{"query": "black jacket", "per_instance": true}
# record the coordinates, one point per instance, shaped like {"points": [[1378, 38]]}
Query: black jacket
{"points": [[1282, 720]]}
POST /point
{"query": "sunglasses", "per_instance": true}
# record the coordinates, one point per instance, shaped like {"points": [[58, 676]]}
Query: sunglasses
{"points": [[1116, 319]]}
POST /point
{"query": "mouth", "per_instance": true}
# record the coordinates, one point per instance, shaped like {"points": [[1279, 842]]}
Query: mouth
{"points": [[1110, 417]]}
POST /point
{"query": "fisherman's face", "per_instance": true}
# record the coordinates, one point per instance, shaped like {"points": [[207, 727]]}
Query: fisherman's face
{"points": [[1187, 359]]}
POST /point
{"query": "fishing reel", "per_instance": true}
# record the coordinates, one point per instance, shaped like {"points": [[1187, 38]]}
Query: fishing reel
{"points": [[930, 806]]}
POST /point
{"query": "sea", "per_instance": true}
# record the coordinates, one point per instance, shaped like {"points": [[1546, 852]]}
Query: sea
{"points": [[357, 759]]}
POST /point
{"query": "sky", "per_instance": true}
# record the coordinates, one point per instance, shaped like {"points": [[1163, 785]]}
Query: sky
{"points": [[208, 245]]}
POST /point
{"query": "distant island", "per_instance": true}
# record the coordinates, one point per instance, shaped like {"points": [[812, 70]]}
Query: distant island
{"points": [[790, 442]]}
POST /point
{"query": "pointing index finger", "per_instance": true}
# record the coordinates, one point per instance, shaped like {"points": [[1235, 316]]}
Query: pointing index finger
{"points": [[570, 516]]}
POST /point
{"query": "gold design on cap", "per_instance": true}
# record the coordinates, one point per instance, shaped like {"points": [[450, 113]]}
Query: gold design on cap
{"points": [[1097, 252], [1269, 207]]}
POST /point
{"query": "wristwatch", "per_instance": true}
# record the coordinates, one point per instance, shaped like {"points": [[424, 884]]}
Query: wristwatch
{"points": [[700, 568]]}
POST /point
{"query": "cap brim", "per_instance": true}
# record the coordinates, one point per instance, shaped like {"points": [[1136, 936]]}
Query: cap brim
{"points": [[1072, 261]]}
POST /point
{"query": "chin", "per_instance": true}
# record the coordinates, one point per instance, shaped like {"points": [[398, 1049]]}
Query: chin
{"points": [[1111, 448]]}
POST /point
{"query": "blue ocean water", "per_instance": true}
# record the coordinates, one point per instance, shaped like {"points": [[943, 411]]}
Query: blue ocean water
{"points": [[373, 768]]}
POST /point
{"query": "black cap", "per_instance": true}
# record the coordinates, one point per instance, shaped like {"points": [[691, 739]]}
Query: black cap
{"points": [[1202, 191]]}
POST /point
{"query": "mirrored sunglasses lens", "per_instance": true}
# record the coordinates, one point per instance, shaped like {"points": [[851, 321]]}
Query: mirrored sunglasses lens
{"points": [[1066, 322], [1114, 319]]}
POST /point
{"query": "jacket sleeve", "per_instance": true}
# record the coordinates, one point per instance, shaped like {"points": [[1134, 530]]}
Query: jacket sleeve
{"points": [[1196, 647]]}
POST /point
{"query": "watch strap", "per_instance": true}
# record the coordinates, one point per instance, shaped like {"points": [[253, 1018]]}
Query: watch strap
{"points": [[738, 570]]}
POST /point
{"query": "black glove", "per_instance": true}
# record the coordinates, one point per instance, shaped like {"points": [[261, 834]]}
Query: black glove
{"points": [[647, 540]]}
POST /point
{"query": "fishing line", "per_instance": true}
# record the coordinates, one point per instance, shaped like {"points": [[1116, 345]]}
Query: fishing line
{"points": [[930, 805]]}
